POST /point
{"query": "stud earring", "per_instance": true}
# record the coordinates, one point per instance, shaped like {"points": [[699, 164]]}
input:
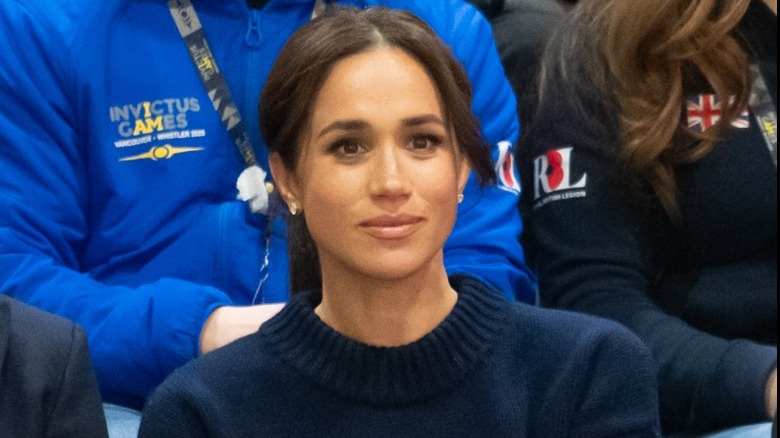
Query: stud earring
{"points": [[293, 208], [460, 198]]}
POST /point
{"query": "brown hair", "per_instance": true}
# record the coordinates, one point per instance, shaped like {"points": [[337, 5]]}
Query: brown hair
{"points": [[305, 63], [639, 57]]}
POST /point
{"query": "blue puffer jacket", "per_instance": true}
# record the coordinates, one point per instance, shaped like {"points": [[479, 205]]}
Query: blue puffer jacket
{"points": [[118, 192]]}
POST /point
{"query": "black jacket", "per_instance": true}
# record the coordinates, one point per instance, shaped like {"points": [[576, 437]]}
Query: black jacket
{"points": [[47, 385], [702, 293]]}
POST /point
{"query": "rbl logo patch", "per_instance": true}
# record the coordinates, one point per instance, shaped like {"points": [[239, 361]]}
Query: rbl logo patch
{"points": [[552, 173]]}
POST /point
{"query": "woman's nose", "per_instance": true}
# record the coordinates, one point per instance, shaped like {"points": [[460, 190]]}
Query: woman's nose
{"points": [[388, 178]]}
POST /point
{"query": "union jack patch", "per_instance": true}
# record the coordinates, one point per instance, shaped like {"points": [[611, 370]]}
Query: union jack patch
{"points": [[703, 112]]}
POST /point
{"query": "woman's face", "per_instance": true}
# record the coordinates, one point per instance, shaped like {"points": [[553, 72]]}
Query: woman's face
{"points": [[378, 176]]}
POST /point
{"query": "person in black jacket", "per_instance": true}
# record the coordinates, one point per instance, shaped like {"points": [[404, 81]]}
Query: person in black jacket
{"points": [[651, 193], [47, 385]]}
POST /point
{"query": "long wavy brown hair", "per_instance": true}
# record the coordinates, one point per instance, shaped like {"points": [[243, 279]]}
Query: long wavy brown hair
{"points": [[642, 56]]}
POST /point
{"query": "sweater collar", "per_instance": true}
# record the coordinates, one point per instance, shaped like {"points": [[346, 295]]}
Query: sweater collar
{"points": [[390, 375]]}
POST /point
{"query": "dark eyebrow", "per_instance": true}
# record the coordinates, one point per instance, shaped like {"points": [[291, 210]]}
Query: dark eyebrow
{"points": [[344, 125], [356, 125], [422, 120]]}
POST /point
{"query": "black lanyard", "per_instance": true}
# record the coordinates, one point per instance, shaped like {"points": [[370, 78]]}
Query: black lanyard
{"points": [[194, 37], [251, 183], [191, 31]]}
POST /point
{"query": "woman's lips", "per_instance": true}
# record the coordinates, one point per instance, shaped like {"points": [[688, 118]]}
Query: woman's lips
{"points": [[391, 227]]}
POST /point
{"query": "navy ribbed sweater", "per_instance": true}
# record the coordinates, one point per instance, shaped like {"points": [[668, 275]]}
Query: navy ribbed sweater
{"points": [[491, 369]]}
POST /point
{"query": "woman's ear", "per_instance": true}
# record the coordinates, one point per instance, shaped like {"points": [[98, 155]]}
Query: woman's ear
{"points": [[284, 178], [463, 173]]}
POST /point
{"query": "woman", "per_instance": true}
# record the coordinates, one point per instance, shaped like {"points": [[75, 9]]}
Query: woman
{"points": [[368, 118], [653, 194]]}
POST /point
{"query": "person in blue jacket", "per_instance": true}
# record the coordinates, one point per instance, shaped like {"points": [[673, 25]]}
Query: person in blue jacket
{"points": [[125, 164]]}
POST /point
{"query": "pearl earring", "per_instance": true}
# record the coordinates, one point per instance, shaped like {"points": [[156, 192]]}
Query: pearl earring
{"points": [[293, 208], [460, 198]]}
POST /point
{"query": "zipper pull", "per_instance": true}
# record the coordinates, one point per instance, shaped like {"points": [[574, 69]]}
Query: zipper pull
{"points": [[253, 37]]}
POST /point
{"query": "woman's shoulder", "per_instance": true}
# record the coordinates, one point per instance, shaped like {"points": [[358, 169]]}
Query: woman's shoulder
{"points": [[591, 366], [214, 378], [241, 354], [540, 328], [572, 334]]}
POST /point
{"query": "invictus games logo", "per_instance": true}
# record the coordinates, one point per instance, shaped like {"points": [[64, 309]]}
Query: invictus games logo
{"points": [[152, 116], [154, 121], [552, 177]]}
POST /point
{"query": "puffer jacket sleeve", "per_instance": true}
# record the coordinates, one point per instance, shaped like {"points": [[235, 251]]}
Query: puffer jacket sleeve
{"points": [[138, 335]]}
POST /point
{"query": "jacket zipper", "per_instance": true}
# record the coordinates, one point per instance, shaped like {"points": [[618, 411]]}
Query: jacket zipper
{"points": [[253, 36]]}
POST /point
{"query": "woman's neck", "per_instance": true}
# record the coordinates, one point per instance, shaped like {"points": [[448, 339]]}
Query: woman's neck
{"points": [[386, 313]]}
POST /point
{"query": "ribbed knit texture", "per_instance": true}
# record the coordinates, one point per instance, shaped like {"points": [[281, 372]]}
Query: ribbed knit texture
{"points": [[390, 375], [490, 369]]}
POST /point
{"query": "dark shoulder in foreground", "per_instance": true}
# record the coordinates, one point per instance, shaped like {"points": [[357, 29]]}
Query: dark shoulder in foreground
{"points": [[24, 321], [47, 376]]}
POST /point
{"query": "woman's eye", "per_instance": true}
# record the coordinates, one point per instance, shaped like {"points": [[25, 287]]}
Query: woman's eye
{"points": [[350, 148], [421, 143], [425, 142], [346, 148]]}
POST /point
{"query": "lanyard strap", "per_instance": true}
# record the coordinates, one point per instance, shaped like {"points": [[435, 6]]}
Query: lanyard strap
{"points": [[764, 111], [251, 182], [191, 31], [194, 37]]}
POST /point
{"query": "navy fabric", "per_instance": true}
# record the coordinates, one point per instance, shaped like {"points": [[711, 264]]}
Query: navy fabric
{"points": [[702, 291], [47, 384], [491, 368]]}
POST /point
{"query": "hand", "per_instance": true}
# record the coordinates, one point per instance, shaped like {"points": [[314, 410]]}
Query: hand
{"points": [[771, 394], [228, 323]]}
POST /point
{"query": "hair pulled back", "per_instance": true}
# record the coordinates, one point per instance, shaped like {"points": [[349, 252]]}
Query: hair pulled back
{"points": [[301, 70]]}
